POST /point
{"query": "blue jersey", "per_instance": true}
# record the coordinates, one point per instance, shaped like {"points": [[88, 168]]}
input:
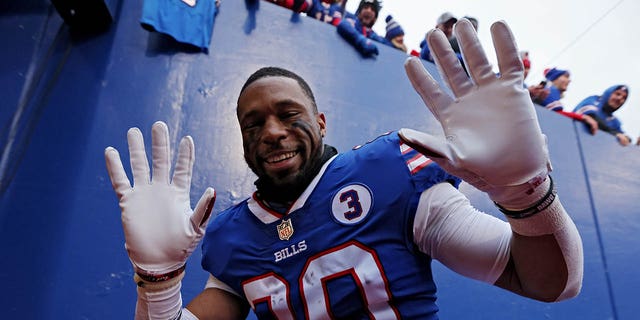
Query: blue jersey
{"points": [[187, 21], [598, 108], [344, 250], [552, 101]]}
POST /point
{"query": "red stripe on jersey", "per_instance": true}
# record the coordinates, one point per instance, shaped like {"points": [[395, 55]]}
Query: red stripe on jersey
{"points": [[417, 163], [404, 148]]}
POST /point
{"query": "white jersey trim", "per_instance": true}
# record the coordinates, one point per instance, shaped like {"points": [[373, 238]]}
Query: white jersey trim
{"points": [[214, 282]]}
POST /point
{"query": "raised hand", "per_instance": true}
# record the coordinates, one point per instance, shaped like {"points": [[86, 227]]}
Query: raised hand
{"points": [[161, 230], [492, 137]]}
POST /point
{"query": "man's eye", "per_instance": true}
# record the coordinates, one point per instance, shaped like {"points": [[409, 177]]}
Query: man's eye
{"points": [[289, 115], [250, 125]]}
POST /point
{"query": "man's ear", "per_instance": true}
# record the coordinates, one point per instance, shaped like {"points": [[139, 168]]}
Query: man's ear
{"points": [[322, 122]]}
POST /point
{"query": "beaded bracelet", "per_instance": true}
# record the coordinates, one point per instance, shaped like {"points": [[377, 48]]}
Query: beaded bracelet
{"points": [[161, 277]]}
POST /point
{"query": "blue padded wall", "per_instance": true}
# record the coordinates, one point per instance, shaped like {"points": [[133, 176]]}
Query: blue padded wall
{"points": [[614, 188], [66, 97]]}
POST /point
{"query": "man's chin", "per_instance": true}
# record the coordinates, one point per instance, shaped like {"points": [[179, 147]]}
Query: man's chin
{"points": [[281, 188], [284, 180]]}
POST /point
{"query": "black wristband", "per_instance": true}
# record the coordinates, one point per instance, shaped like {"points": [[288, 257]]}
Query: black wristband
{"points": [[539, 206]]}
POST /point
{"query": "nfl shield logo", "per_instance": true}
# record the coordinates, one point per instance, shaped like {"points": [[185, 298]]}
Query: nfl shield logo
{"points": [[285, 229]]}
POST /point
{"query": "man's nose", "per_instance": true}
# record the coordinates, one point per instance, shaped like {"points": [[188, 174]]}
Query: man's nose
{"points": [[274, 130]]}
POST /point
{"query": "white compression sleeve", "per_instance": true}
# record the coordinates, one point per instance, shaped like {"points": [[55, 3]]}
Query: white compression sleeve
{"points": [[467, 241], [477, 245], [161, 300], [187, 315]]}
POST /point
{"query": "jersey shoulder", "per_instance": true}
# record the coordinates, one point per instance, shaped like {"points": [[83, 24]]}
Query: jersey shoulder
{"points": [[389, 151]]}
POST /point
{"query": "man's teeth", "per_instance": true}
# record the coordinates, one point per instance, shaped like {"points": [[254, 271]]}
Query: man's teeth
{"points": [[281, 157]]}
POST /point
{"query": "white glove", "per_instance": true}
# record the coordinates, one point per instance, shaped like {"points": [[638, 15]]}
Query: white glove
{"points": [[493, 139], [160, 228]]}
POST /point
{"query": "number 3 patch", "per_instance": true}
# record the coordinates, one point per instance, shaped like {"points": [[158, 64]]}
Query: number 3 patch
{"points": [[351, 204]]}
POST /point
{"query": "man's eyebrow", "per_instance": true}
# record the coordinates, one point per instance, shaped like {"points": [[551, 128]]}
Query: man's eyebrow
{"points": [[280, 104], [288, 102], [248, 115]]}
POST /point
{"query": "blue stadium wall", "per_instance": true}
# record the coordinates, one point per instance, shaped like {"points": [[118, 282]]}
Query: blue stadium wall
{"points": [[65, 96]]}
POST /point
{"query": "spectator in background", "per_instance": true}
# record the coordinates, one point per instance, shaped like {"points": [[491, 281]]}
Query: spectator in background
{"points": [[329, 11], [358, 32], [294, 5], [601, 109], [445, 23], [454, 42], [560, 80], [536, 92], [395, 34], [473, 20]]}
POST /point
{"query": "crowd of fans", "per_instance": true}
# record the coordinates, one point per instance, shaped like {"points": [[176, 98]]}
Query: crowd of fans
{"points": [[595, 112]]}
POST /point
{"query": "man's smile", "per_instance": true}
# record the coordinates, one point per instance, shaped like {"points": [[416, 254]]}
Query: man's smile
{"points": [[280, 157]]}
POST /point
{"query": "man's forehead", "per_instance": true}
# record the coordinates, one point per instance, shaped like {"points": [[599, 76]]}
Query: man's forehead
{"points": [[621, 91], [278, 88], [274, 81]]}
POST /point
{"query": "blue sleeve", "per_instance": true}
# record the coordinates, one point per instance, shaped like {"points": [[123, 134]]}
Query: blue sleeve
{"points": [[587, 106], [425, 52], [364, 45], [552, 101], [615, 124], [553, 96], [376, 37], [315, 8]]}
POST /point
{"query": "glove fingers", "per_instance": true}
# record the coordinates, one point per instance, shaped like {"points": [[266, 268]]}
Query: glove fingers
{"points": [[203, 209], [138, 157], [474, 56], [184, 165], [160, 151], [119, 180], [448, 63], [507, 52], [426, 86]]}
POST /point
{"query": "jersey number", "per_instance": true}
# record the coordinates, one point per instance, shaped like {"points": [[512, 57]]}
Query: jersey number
{"points": [[353, 202], [351, 259]]}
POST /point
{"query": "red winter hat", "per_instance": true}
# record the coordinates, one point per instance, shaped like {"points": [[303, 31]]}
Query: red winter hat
{"points": [[524, 55]]}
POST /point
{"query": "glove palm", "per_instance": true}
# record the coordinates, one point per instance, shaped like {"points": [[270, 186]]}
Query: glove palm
{"points": [[492, 137], [161, 230]]}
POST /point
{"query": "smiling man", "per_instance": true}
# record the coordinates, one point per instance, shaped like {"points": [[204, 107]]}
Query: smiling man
{"points": [[282, 133], [352, 235]]}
